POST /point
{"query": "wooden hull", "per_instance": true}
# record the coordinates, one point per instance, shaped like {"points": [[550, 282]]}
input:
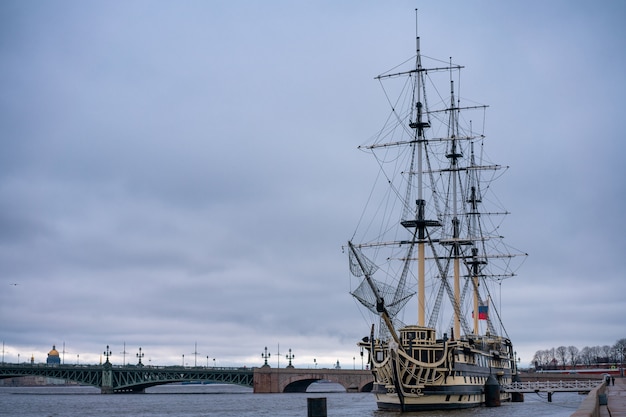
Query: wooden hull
{"points": [[427, 374], [452, 397]]}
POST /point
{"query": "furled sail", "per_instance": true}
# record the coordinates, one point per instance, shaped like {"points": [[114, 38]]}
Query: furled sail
{"points": [[370, 291], [361, 266]]}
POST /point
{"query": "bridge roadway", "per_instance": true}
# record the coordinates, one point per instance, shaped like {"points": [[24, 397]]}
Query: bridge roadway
{"points": [[125, 379]]}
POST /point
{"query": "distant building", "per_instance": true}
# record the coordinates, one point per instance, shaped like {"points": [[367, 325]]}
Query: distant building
{"points": [[53, 357]]}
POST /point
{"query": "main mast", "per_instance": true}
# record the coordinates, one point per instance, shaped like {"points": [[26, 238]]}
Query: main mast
{"points": [[420, 222], [421, 273]]}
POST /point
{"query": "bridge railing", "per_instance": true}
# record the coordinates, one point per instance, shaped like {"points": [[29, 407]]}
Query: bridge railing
{"points": [[552, 386]]}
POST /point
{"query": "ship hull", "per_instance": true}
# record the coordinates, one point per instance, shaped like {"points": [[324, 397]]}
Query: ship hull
{"points": [[427, 374], [453, 397]]}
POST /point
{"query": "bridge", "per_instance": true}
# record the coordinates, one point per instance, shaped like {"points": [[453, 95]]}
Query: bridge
{"points": [[125, 379], [119, 379], [551, 387]]}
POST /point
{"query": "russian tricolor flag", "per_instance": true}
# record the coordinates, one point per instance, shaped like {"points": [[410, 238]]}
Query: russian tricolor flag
{"points": [[483, 312]]}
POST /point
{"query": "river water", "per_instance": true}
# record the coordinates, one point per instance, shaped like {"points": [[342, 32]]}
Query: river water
{"points": [[233, 401]]}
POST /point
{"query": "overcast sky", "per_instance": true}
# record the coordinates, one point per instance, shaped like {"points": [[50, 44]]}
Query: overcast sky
{"points": [[174, 173]]}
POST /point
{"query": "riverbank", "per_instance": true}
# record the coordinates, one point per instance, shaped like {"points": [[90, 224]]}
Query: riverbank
{"points": [[605, 401]]}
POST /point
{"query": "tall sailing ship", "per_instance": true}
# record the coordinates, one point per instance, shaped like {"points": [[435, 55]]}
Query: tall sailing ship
{"points": [[436, 245]]}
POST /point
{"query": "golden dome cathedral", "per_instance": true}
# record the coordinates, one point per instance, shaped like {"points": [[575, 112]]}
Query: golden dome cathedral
{"points": [[53, 356]]}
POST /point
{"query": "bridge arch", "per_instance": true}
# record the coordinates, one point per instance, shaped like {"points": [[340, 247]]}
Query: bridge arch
{"points": [[299, 385], [367, 387], [270, 380]]}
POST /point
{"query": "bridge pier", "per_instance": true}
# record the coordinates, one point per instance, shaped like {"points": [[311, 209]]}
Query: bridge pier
{"points": [[107, 378]]}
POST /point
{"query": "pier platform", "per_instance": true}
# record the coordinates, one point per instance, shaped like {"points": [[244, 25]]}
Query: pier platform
{"points": [[616, 400], [605, 401]]}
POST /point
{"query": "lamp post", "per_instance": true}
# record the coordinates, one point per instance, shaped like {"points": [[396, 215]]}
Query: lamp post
{"points": [[106, 354], [207, 361], [77, 355], [266, 356], [361, 358], [183, 364], [289, 357], [315, 362], [195, 355], [353, 363], [124, 355], [139, 356]]}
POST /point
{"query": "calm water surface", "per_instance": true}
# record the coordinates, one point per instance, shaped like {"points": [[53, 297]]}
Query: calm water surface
{"points": [[232, 401]]}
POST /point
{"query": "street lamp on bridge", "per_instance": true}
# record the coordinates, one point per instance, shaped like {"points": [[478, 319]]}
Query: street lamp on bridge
{"points": [[289, 357], [266, 356], [361, 358], [139, 356], [107, 353]]}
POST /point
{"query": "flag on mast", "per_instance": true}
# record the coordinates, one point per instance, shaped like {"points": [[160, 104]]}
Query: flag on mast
{"points": [[483, 312]]}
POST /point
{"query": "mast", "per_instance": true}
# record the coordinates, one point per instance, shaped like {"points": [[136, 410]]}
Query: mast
{"points": [[475, 264], [419, 125], [421, 257], [453, 156]]}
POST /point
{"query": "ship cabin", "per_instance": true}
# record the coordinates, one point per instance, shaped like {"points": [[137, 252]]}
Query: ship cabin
{"points": [[421, 343], [412, 335]]}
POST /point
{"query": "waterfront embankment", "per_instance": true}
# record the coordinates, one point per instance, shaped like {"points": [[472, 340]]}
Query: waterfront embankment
{"points": [[605, 401]]}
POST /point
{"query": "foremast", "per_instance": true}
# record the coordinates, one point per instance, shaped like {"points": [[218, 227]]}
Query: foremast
{"points": [[419, 125]]}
